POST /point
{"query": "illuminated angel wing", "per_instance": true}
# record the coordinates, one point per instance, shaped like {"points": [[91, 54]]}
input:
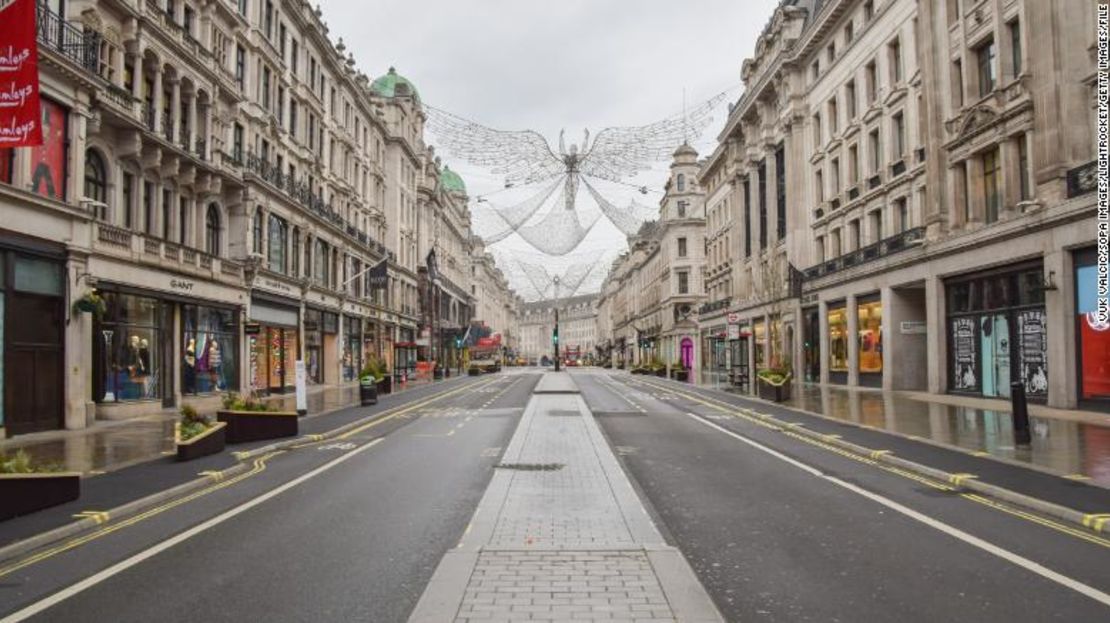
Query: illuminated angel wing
{"points": [[620, 153], [521, 156]]}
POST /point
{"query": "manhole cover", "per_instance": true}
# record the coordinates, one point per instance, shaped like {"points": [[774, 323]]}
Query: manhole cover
{"points": [[531, 467], [564, 413]]}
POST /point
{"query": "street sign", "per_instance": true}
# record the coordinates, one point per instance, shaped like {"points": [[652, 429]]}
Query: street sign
{"points": [[912, 327], [733, 331], [733, 318]]}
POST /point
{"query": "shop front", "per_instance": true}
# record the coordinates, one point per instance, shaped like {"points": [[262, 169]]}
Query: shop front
{"points": [[210, 347], [869, 327], [404, 352], [997, 334], [32, 325], [352, 347], [272, 342], [320, 332], [811, 345], [1092, 335], [838, 342]]}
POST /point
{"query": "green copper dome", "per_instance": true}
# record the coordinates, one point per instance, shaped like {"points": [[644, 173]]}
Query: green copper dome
{"points": [[387, 85], [451, 181]]}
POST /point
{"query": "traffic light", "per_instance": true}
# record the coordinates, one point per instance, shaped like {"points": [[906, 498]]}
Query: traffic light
{"points": [[458, 342], [555, 336]]}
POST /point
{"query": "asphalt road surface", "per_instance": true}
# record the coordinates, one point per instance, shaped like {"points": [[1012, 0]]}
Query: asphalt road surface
{"points": [[779, 529], [348, 529]]}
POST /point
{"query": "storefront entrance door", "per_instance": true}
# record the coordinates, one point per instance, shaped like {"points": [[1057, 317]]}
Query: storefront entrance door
{"points": [[33, 366], [995, 346]]}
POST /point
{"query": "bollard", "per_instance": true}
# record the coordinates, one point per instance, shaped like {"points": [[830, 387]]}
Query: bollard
{"points": [[1020, 414]]}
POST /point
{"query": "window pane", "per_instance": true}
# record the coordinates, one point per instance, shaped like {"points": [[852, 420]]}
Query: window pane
{"points": [[38, 276]]}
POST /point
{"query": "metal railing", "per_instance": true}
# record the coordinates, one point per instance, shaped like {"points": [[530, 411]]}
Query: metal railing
{"points": [[713, 306], [1083, 179], [80, 47], [871, 252]]}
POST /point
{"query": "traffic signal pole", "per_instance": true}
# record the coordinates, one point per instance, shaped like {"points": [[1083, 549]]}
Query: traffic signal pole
{"points": [[555, 338]]}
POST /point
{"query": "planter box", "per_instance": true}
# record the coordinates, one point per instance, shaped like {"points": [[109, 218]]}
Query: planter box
{"points": [[474, 371], [26, 493], [211, 441], [661, 373], [680, 375], [385, 385], [774, 393], [245, 426]]}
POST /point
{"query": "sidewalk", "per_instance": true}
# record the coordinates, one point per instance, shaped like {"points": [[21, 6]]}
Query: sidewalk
{"points": [[160, 473], [561, 535], [110, 445], [1066, 442]]}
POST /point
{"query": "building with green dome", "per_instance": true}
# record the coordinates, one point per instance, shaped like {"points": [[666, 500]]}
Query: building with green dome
{"points": [[451, 182], [393, 84]]}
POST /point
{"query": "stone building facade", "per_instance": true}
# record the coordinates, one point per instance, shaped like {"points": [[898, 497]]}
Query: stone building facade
{"points": [[223, 177], [577, 328], [905, 195], [651, 295]]}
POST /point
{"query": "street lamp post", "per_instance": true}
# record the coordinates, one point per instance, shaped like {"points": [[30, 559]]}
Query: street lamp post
{"points": [[555, 334]]}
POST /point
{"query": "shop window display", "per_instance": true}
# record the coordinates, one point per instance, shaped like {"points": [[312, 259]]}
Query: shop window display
{"points": [[128, 340], [870, 329], [209, 350], [759, 335], [1092, 333], [838, 339]]}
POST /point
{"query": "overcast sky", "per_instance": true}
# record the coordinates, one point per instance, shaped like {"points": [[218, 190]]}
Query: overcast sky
{"points": [[546, 66]]}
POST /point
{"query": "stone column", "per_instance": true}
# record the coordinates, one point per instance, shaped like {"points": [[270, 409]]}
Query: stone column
{"points": [[137, 76], [156, 114], [936, 328], [852, 311], [191, 136], [175, 110], [823, 341], [1060, 327], [975, 192], [890, 342], [1010, 181], [79, 408]]}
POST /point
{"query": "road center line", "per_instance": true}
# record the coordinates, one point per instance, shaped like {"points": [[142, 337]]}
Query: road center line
{"points": [[123, 565], [936, 524]]}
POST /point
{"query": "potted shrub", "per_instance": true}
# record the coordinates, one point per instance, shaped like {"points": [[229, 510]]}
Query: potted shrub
{"points": [[774, 384], [248, 419], [658, 368], [679, 372], [197, 435], [90, 303], [26, 486]]}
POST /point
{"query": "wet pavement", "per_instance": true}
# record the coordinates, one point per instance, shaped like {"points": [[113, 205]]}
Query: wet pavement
{"points": [[112, 445], [1063, 446]]}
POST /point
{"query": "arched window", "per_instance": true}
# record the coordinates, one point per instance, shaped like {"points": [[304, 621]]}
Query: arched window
{"points": [[680, 184], [212, 230], [257, 246], [96, 183]]}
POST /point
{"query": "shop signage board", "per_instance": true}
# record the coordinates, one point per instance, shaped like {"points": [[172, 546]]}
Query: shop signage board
{"points": [[1032, 351], [912, 327], [964, 354], [252, 328], [733, 318], [21, 114], [733, 331]]}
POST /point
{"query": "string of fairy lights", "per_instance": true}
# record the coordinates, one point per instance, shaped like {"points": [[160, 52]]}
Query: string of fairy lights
{"points": [[554, 219]]}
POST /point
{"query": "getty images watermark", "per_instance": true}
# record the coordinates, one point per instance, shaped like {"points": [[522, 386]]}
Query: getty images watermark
{"points": [[1103, 96]]}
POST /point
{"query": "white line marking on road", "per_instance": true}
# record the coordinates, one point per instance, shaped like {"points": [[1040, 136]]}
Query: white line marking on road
{"points": [[936, 524], [123, 565]]}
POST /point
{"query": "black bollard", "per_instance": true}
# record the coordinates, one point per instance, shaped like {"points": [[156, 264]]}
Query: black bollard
{"points": [[1020, 414]]}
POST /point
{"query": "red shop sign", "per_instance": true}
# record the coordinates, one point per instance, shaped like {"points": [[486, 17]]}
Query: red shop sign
{"points": [[20, 115]]}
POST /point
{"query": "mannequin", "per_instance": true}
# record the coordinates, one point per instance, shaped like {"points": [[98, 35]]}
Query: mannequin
{"points": [[215, 361], [191, 366]]}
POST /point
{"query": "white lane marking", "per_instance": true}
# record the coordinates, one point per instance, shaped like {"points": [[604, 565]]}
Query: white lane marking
{"points": [[123, 565], [936, 524]]}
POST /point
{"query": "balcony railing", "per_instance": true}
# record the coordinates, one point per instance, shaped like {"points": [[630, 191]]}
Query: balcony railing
{"points": [[874, 181], [853, 193], [871, 252], [80, 47], [303, 194], [898, 168], [712, 306], [1083, 179]]}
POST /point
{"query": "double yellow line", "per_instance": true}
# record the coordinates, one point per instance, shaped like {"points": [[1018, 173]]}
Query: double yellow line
{"points": [[954, 485], [220, 481]]}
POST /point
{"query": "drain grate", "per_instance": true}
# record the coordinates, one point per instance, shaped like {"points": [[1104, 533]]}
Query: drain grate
{"points": [[564, 412], [531, 467]]}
